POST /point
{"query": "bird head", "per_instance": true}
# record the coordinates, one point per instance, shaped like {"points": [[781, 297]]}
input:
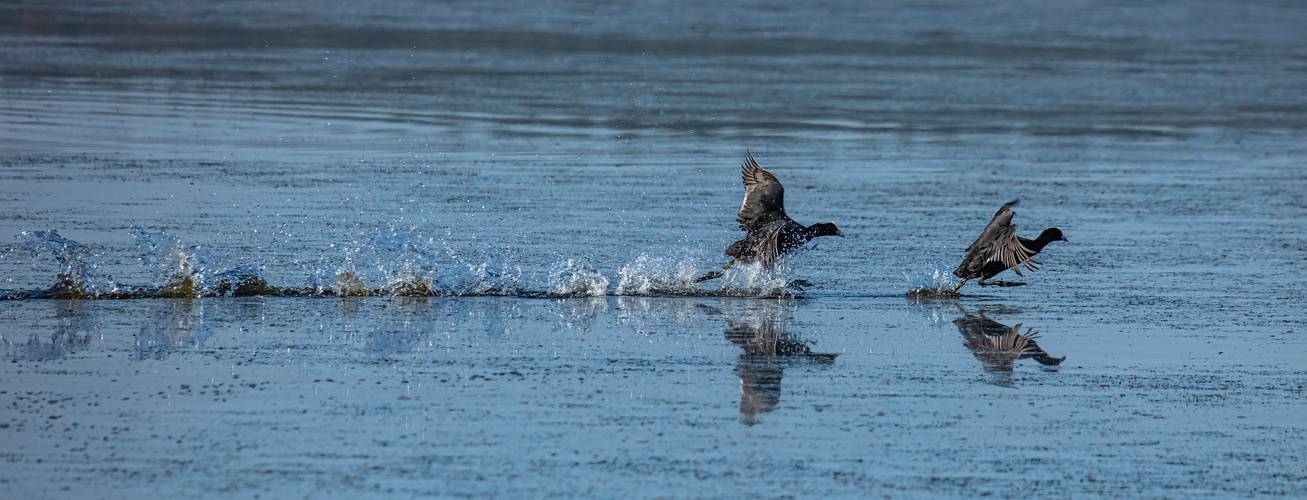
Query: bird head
{"points": [[1052, 234], [826, 229]]}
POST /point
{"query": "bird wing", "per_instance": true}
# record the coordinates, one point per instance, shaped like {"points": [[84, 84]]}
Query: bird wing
{"points": [[766, 243], [1001, 221], [1008, 250], [764, 198]]}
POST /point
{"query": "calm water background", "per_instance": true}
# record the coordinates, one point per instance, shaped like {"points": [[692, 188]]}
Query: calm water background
{"points": [[508, 151]]}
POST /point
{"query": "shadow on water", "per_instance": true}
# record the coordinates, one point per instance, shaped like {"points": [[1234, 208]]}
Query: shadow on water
{"points": [[759, 329], [999, 346]]}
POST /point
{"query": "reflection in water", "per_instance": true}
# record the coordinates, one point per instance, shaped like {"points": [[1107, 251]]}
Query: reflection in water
{"points": [[768, 350], [176, 323], [999, 346], [74, 328], [406, 322], [577, 314], [647, 315]]}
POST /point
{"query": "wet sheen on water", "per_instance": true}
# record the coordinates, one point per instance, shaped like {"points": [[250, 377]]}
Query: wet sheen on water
{"points": [[356, 249]]}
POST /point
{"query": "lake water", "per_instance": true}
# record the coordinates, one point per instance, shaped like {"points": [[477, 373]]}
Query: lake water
{"points": [[442, 249]]}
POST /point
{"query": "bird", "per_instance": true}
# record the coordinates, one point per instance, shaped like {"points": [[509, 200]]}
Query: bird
{"points": [[999, 248], [771, 233]]}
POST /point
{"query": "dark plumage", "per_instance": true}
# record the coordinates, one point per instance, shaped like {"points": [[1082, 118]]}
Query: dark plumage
{"points": [[999, 248], [771, 233]]}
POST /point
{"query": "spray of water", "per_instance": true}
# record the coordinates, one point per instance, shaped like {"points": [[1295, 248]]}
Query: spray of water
{"points": [[180, 271], [576, 278], [394, 262], [79, 268], [937, 282]]}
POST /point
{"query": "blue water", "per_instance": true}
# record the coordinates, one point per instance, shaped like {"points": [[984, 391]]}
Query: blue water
{"points": [[449, 250]]}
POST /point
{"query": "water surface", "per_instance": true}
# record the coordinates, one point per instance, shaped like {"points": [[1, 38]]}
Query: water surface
{"points": [[525, 192]]}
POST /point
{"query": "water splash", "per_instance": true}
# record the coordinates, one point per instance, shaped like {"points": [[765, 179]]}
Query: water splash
{"points": [[394, 262], [489, 272], [177, 270], [754, 280], [938, 283], [181, 271], [79, 275], [576, 278], [676, 275], [658, 275], [387, 256], [348, 284]]}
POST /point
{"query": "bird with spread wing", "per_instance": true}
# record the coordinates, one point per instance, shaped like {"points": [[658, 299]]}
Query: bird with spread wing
{"points": [[999, 248], [771, 233]]}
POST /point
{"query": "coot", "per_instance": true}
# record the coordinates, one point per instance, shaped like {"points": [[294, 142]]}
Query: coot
{"points": [[999, 249], [771, 233]]}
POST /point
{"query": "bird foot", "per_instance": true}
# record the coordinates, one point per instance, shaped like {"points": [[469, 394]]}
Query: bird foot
{"points": [[710, 275]]}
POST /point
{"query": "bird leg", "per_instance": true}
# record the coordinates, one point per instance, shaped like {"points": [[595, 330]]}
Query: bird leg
{"points": [[715, 274], [964, 281]]}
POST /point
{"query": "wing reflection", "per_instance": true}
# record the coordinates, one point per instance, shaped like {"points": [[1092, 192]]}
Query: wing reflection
{"points": [[998, 346], [768, 350]]}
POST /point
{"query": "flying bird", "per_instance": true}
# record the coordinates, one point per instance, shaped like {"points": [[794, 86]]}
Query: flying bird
{"points": [[999, 249]]}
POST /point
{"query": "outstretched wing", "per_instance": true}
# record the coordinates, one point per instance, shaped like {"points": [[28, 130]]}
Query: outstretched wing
{"points": [[764, 198], [999, 243]]}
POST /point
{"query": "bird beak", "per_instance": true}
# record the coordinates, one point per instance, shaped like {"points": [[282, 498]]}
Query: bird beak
{"points": [[839, 233]]}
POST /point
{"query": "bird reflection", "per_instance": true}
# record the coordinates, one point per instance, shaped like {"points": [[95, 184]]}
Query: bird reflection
{"points": [[998, 346], [768, 350]]}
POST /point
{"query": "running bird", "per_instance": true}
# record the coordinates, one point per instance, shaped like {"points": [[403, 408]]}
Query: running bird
{"points": [[771, 233], [999, 249]]}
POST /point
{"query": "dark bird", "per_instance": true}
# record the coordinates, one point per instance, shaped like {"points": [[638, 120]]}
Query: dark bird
{"points": [[771, 233], [999, 249]]}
